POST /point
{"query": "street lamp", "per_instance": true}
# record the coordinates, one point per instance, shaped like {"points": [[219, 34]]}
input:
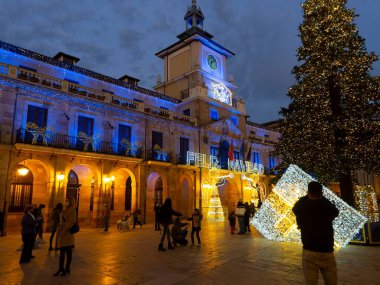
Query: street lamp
{"points": [[60, 178]]}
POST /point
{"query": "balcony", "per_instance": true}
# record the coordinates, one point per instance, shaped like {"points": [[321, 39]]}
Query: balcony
{"points": [[75, 143], [161, 155], [75, 89]]}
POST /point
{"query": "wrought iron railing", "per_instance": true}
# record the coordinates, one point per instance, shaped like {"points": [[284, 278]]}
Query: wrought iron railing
{"points": [[62, 141], [158, 156]]}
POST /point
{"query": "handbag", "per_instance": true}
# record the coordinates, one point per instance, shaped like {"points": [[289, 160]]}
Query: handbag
{"points": [[240, 211], [75, 228]]}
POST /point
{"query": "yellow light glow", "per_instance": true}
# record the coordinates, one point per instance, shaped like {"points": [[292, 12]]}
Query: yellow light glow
{"points": [[23, 171], [106, 179], [61, 176], [113, 178]]}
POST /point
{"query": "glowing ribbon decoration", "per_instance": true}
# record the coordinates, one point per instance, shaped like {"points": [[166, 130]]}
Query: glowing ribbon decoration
{"points": [[37, 132], [161, 153], [86, 139]]}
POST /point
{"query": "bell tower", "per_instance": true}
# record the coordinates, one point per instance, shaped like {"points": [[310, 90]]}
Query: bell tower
{"points": [[195, 71]]}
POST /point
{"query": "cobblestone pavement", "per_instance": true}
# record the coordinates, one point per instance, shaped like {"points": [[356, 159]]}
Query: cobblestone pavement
{"points": [[131, 257]]}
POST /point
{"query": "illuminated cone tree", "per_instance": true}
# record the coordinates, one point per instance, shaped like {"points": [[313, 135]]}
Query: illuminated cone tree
{"points": [[331, 126]]}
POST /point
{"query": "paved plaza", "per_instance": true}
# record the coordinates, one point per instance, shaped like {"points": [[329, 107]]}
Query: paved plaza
{"points": [[132, 258]]}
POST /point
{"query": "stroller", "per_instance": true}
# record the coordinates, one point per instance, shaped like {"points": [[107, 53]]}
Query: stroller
{"points": [[179, 232], [123, 224]]}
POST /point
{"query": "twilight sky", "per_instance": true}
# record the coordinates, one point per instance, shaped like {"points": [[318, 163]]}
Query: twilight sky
{"points": [[121, 37]]}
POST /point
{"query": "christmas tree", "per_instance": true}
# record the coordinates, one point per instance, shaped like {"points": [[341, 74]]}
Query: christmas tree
{"points": [[332, 125], [215, 209]]}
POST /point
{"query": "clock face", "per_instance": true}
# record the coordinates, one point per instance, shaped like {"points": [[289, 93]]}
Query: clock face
{"points": [[211, 61]]}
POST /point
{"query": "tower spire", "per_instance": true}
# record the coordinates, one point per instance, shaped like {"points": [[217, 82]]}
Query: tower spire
{"points": [[194, 16]]}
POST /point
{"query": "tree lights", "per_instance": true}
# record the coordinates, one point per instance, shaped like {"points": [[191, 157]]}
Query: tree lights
{"points": [[331, 126], [276, 221]]}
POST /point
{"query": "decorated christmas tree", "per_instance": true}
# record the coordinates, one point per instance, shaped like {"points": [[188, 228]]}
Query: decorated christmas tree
{"points": [[331, 126], [215, 209]]}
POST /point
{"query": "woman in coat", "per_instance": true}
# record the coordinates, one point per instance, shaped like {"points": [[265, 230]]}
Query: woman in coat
{"points": [[28, 234], [56, 217], [165, 219], [66, 238]]}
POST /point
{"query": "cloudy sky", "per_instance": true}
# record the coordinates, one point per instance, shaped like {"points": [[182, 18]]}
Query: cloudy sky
{"points": [[117, 37]]}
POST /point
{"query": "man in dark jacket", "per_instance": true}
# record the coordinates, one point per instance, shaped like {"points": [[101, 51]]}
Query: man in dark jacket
{"points": [[28, 234], [315, 215]]}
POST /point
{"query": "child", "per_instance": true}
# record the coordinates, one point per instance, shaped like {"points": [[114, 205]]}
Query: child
{"points": [[196, 220], [232, 220]]}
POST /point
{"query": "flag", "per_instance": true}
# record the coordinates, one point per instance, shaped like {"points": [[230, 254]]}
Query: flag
{"points": [[242, 150], [249, 154], [231, 151]]}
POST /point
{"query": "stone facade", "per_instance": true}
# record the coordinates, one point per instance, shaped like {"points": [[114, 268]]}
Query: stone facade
{"points": [[101, 139]]}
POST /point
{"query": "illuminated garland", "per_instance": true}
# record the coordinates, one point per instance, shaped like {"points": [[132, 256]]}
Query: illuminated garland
{"points": [[161, 153], [134, 147], [366, 202], [276, 221], [37, 132], [88, 140]]}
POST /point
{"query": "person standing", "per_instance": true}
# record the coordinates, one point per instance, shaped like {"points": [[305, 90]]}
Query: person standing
{"points": [[106, 215], [247, 217], [232, 220], [56, 217], [196, 220], [240, 213], [157, 208], [38, 214], [136, 214], [66, 238], [28, 234], [315, 215], [165, 218]]}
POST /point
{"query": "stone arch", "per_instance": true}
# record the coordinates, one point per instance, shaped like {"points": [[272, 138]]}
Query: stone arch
{"points": [[184, 198], [123, 177], [156, 182], [229, 194], [41, 187], [86, 191]]}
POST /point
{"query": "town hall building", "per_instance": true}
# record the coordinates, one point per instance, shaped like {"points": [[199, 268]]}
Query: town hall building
{"points": [[68, 131]]}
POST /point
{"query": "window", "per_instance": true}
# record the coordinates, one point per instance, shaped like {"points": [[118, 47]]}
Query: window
{"points": [[92, 194], [234, 120], [157, 139], [214, 150], [186, 112], [85, 126], [183, 149], [21, 192], [256, 157], [157, 146], [272, 162], [236, 155], [214, 114], [37, 116], [124, 137], [158, 189], [128, 194]]}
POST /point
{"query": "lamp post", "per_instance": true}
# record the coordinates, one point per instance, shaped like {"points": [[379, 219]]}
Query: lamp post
{"points": [[106, 180], [60, 178]]}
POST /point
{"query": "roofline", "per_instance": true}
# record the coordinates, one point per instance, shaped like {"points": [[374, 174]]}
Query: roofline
{"points": [[49, 60], [164, 52], [60, 53]]}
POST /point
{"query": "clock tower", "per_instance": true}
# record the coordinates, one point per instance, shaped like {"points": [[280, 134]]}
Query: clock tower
{"points": [[195, 71]]}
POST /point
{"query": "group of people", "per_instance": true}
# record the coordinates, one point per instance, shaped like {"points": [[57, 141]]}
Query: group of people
{"points": [[314, 216], [179, 230], [244, 212], [64, 218]]}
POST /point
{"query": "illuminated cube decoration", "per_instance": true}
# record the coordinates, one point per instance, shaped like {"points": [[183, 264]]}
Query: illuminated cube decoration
{"points": [[276, 221]]}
